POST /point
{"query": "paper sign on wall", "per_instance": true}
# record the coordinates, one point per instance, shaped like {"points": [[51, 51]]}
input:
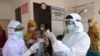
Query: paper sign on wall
{"points": [[24, 8]]}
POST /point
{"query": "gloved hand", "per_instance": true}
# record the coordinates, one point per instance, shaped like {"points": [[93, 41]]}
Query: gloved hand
{"points": [[51, 36], [40, 40], [33, 48]]}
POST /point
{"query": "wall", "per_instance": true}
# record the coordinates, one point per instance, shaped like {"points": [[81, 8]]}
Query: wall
{"points": [[16, 3], [80, 2], [25, 18], [5, 10], [89, 14], [96, 10], [85, 16], [68, 4], [56, 3]]}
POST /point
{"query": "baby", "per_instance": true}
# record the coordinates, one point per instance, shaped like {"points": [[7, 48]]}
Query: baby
{"points": [[36, 37]]}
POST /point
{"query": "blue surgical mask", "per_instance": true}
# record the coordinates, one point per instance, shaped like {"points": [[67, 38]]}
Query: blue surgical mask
{"points": [[71, 28], [19, 34], [90, 24]]}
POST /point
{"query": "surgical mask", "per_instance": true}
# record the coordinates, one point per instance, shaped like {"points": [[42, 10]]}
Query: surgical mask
{"points": [[71, 28], [42, 28], [19, 34], [31, 28], [90, 24]]}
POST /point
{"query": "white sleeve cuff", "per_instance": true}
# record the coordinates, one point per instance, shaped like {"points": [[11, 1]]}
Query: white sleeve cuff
{"points": [[58, 46]]}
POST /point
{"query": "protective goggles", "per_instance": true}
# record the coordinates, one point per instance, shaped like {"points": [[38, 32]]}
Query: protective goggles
{"points": [[17, 29], [71, 21]]}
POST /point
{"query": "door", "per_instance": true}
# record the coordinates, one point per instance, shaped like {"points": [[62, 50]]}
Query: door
{"points": [[18, 14], [42, 16]]}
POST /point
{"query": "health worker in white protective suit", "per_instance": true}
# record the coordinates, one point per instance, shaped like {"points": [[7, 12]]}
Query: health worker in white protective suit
{"points": [[15, 45], [75, 43]]}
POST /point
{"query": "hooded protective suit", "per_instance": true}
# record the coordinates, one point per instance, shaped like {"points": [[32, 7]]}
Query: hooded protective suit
{"points": [[14, 46], [94, 33], [75, 43], [29, 34]]}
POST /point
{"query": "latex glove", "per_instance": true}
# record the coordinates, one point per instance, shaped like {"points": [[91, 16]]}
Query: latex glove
{"points": [[40, 40], [33, 49], [51, 36], [30, 41]]}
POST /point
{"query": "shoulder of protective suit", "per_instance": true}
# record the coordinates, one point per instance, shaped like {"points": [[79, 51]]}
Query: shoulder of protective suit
{"points": [[82, 33]]}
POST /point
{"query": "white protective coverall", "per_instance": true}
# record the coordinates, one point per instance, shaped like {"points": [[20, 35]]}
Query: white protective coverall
{"points": [[73, 44], [14, 46]]}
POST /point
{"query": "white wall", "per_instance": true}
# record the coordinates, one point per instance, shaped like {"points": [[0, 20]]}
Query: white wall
{"points": [[29, 15], [68, 4], [56, 3], [80, 2], [92, 10], [5, 10], [25, 18], [96, 10], [88, 15]]}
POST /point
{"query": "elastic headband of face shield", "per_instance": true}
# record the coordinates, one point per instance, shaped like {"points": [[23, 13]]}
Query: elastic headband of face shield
{"points": [[18, 28], [70, 20]]}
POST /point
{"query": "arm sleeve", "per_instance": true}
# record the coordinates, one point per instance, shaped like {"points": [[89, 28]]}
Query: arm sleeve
{"points": [[79, 48]]}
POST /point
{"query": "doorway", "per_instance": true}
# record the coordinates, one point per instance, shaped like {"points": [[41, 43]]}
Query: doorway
{"points": [[18, 14], [42, 16]]}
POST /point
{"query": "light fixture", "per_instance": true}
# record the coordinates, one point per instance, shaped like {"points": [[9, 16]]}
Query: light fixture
{"points": [[84, 10], [84, 6]]}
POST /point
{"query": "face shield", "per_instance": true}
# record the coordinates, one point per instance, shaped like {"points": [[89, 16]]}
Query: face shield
{"points": [[69, 20], [73, 22], [70, 24]]}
